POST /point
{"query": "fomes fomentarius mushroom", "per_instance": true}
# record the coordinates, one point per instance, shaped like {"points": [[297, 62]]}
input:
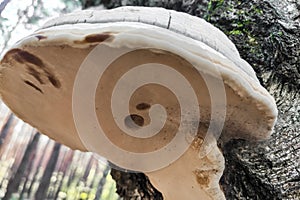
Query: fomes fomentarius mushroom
{"points": [[174, 73]]}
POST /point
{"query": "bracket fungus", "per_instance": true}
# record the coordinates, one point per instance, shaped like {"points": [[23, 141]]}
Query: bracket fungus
{"points": [[126, 83]]}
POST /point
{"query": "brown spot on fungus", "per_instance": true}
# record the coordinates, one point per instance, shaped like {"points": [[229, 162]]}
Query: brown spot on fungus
{"points": [[202, 177], [23, 56], [196, 144], [95, 38], [10, 54], [54, 81], [30, 60], [143, 106], [136, 119], [37, 75], [33, 86], [41, 37]]}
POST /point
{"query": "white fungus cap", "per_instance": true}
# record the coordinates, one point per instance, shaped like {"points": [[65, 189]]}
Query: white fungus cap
{"points": [[37, 77]]}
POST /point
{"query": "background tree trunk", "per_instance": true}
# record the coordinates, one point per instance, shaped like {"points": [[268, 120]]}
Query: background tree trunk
{"points": [[101, 183], [41, 193], [266, 33], [15, 182]]}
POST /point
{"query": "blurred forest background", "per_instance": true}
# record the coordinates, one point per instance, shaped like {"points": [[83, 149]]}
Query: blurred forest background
{"points": [[31, 165]]}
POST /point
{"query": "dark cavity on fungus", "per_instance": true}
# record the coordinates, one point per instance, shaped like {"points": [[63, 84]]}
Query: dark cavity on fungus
{"points": [[26, 57], [54, 81], [41, 37], [33, 86], [95, 38], [37, 75], [143, 106], [32, 62], [134, 118]]}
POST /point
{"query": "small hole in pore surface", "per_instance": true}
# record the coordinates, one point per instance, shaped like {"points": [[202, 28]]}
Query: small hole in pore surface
{"points": [[143, 106], [134, 119]]}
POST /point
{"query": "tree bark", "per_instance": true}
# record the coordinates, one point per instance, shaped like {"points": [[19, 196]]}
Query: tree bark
{"points": [[101, 183], [41, 192], [6, 130], [266, 33], [15, 180], [134, 186]]}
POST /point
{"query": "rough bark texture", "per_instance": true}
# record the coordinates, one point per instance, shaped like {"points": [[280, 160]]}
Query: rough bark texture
{"points": [[267, 34], [134, 186]]}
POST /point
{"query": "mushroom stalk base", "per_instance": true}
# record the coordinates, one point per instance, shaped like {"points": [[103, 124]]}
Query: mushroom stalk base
{"points": [[192, 176]]}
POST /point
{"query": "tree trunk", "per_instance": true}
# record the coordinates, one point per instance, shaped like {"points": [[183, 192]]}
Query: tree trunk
{"points": [[41, 193], [65, 166], [6, 129], [134, 186], [15, 180], [101, 183], [266, 33]]}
